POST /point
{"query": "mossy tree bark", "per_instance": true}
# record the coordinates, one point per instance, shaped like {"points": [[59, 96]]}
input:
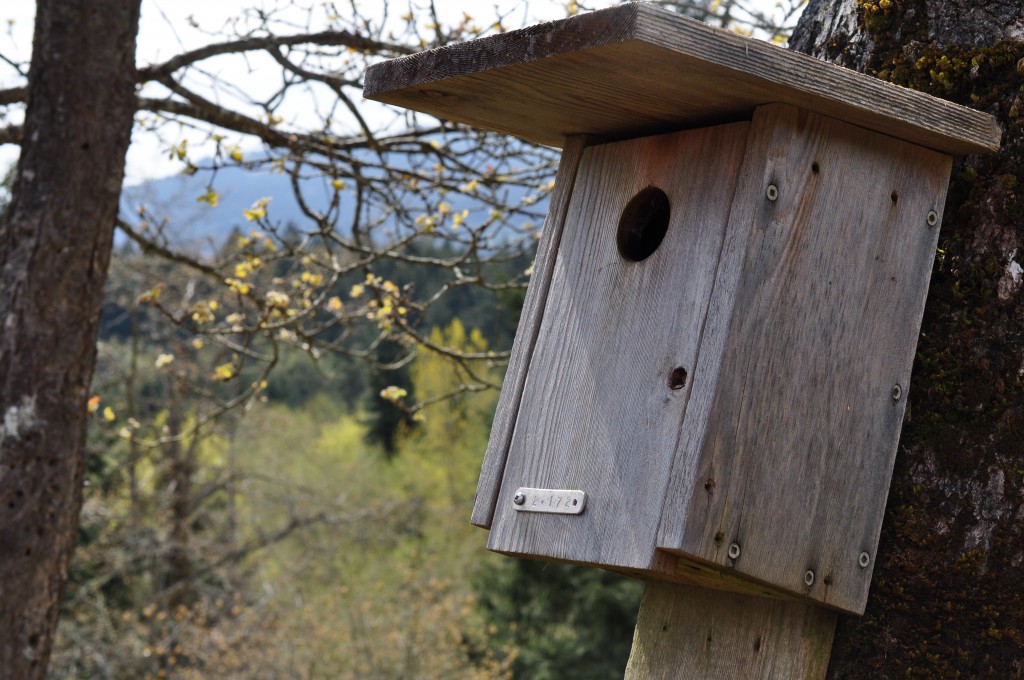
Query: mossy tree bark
{"points": [[54, 249], [948, 594]]}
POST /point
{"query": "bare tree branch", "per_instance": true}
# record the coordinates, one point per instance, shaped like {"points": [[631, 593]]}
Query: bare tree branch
{"points": [[323, 38]]}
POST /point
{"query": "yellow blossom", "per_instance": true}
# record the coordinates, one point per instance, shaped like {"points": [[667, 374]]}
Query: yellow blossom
{"points": [[276, 299], [211, 197], [237, 286], [258, 210], [393, 393], [163, 360], [224, 372], [202, 313]]}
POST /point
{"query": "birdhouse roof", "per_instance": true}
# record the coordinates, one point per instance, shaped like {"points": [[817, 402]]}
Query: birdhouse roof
{"points": [[636, 69]]}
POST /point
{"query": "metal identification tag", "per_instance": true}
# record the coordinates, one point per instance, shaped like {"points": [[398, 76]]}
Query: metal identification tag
{"points": [[557, 501]]}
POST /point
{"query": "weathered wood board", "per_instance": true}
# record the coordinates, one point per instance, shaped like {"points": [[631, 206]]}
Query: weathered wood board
{"points": [[637, 69], [530, 317], [697, 634], [795, 415], [598, 412]]}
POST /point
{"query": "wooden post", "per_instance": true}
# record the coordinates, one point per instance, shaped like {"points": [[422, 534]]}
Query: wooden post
{"points": [[709, 378], [700, 634]]}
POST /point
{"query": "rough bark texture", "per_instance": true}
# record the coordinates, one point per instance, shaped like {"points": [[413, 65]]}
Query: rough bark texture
{"points": [[54, 250], [948, 594]]}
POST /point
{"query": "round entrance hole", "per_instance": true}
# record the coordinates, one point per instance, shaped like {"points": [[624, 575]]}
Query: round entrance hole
{"points": [[643, 224]]}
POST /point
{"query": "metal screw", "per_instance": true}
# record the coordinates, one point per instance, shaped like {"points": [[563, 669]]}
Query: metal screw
{"points": [[864, 560], [519, 498], [933, 218], [773, 192], [897, 392], [734, 551], [809, 578]]}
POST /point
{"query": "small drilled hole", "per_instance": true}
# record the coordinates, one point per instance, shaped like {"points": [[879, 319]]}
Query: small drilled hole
{"points": [[643, 224], [815, 168], [894, 197], [677, 378]]}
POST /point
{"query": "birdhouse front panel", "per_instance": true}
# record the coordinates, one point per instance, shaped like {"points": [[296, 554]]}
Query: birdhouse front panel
{"points": [[610, 377]]}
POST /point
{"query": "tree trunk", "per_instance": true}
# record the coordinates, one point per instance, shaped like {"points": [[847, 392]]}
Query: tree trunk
{"points": [[54, 250], [948, 593]]}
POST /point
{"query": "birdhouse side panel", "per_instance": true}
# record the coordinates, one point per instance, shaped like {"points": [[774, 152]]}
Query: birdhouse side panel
{"points": [[610, 375], [801, 436], [493, 466]]}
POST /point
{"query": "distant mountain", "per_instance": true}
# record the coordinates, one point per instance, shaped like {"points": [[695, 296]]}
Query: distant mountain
{"points": [[198, 225]]}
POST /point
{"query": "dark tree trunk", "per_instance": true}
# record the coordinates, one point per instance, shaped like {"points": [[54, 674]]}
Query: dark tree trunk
{"points": [[948, 594], [54, 250]]}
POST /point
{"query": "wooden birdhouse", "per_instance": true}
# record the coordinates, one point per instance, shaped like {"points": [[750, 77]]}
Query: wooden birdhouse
{"points": [[714, 358]]}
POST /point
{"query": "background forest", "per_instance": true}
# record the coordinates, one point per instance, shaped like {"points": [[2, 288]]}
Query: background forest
{"points": [[321, 531]]}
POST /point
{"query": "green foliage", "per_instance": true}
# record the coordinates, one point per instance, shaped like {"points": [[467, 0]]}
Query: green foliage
{"points": [[567, 621]]}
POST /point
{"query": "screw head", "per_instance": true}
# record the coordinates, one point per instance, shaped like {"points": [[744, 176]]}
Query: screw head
{"points": [[933, 218], [864, 560], [897, 392], [734, 551], [773, 192], [809, 578], [519, 498]]}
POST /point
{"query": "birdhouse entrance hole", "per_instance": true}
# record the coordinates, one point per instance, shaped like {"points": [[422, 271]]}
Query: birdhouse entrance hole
{"points": [[643, 224]]}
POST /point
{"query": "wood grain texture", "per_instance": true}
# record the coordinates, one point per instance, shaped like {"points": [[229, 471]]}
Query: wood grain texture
{"points": [[799, 438], [597, 411], [526, 335], [697, 634], [636, 69]]}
